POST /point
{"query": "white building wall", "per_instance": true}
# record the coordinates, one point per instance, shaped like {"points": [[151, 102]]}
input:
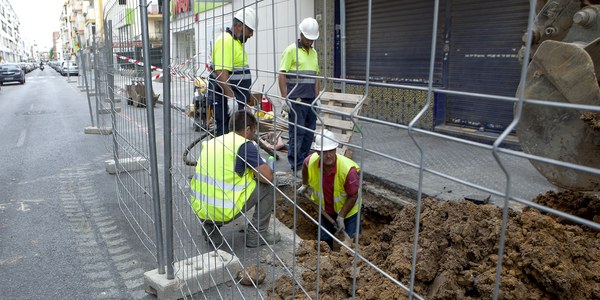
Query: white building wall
{"points": [[11, 46], [183, 42], [277, 28]]}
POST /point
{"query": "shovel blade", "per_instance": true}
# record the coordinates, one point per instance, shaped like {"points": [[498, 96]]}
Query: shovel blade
{"points": [[343, 236]]}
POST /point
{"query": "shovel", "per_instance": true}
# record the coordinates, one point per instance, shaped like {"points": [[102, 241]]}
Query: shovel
{"points": [[340, 234]]}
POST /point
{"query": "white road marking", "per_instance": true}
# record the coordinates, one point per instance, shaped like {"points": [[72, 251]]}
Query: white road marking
{"points": [[22, 137], [11, 260], [24, 207], [33, 200]]}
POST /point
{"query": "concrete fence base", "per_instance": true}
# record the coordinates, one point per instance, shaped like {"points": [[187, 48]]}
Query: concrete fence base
{"points": [[126, 164], [97, 130], [197, 273]]}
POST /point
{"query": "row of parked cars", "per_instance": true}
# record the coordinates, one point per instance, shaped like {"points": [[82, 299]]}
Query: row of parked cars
{"points": [[15, 72], [65, 67], [28, 66]]}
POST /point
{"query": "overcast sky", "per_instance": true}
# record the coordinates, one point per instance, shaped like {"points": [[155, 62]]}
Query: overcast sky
{"points": [[39, 18]]}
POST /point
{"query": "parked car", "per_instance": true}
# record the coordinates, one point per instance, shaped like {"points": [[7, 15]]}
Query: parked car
{"points": [[11, 72], [57, 66], [70, 68]]}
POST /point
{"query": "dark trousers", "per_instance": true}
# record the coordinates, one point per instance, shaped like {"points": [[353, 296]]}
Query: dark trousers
{"points": [[221, 109], [350, 224], [300, 138], [219, 101], [262, 201]]}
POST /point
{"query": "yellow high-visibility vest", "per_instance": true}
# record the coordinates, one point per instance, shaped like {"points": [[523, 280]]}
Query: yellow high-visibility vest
{"points": [[343, 165], [218, 192], [307, 63], [229, 54]]}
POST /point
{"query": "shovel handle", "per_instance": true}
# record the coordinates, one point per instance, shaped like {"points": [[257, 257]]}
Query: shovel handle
{"points": [[346, 239], [325, 215]]}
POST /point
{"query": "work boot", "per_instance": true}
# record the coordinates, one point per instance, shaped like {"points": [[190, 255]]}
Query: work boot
{"points": [[212, 235], [254, 240]]}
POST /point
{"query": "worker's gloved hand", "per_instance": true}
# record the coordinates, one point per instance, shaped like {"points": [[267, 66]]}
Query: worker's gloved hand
{"points": [[285, 111], [340, 223], [232, 105], [305, 190]]}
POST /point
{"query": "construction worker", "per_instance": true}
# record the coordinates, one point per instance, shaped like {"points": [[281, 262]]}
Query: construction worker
{"points": [[340, 185], [231, 178], [231, 78], [298, 60]]}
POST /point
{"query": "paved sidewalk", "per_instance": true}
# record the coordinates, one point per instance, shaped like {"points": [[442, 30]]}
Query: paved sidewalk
{"points": [[467, 163]]}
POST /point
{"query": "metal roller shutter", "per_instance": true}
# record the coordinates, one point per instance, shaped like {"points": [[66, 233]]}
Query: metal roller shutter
{"points": [[400, 41], [484, 41]]}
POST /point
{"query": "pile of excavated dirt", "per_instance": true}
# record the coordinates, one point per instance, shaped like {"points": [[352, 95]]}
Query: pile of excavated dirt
{"points": [[592, 119], [544, 257]]}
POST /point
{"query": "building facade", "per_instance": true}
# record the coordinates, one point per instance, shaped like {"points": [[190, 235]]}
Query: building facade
{"points": [[476, 51], [12, 47]]}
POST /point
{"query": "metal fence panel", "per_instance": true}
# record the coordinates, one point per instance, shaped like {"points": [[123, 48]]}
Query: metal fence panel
{"points": [[413, 242]]}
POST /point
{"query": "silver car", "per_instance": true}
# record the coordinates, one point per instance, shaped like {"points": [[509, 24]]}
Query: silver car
{"points": [[69, 68]]}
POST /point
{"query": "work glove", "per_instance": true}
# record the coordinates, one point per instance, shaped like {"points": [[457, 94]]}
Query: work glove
{"points": [[340, 224], [305, 190], [232, 105], [285, 108], [285, 111]]}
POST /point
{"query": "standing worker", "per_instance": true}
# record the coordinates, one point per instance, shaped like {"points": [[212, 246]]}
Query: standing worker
{"points": [[231, 78], [298, 60], [231, 178], [340, 182]]}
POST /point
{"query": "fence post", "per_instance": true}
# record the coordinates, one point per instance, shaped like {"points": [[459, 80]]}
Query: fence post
{"points": [[152, 135], [110, 76], [85, 81], [78, 57], [96, 76], [166, 56]]}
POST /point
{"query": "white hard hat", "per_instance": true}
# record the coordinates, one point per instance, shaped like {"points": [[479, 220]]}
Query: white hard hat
{"points": [[248, 17], [309, 28], [328, 139]]}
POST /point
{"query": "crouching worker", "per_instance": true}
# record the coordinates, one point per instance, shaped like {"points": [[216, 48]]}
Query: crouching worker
{"points": [[230, 179], [340, 182]]}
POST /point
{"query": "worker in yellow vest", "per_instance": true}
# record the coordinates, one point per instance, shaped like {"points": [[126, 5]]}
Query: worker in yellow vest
{"points": [[229, 84], [335, 186], [230, 179], [298, 68]]}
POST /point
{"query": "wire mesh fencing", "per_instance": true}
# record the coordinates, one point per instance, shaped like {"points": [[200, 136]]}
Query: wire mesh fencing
{"points": [[168, 75]]}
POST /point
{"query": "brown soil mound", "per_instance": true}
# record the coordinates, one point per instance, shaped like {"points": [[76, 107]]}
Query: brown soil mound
{"points": [[592, 119], [575, 203], [458, 251]]}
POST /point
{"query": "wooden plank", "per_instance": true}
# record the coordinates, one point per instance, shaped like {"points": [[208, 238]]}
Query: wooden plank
{"points": [[331, 109], [342, 151], [337, 123], [344, 138], [351, 99]]}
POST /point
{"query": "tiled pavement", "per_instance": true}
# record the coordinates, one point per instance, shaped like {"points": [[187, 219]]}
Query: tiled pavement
{"points": [[467, 163]]}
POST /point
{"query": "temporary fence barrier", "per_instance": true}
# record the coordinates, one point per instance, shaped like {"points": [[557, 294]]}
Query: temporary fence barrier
{"points": [[413, 243]]}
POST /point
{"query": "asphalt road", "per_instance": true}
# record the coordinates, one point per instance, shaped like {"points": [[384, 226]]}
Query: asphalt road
{"points": [[62, 233]]}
